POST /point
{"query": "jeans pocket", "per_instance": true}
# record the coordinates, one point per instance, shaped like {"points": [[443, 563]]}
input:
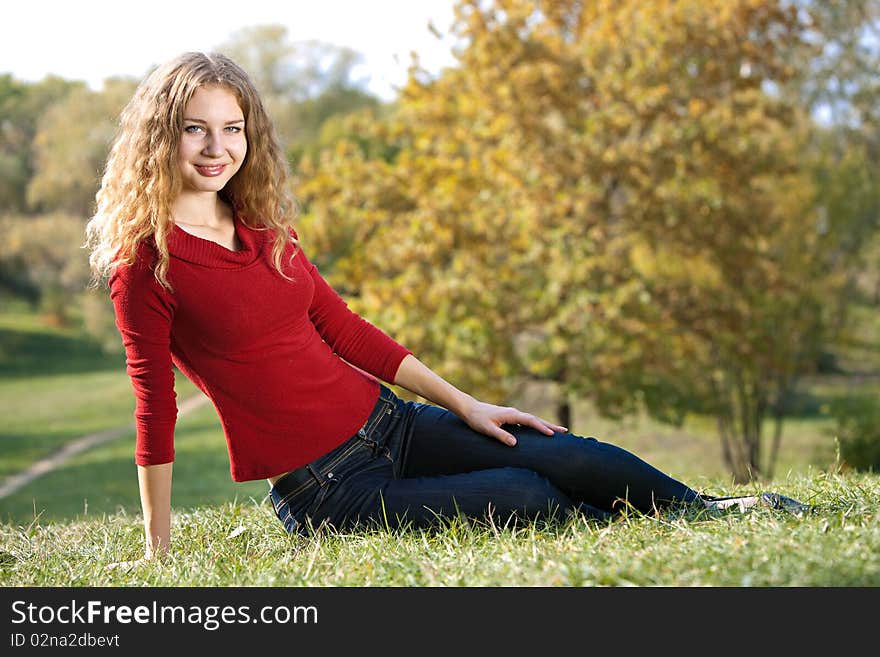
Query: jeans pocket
{"points": [[287, 514], [290, 522], [295, 511]]}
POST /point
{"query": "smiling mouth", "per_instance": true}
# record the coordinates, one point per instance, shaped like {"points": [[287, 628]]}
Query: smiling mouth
{"points": [[210, 170]]}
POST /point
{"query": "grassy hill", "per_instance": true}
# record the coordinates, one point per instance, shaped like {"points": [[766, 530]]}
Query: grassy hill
{"points": [[66, 526]]}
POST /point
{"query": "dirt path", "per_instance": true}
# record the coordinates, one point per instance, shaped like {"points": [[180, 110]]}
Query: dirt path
{"points": [[79, 445]]}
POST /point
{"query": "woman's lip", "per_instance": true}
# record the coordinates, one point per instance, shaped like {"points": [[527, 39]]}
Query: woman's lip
{"points": [[209, 170]]}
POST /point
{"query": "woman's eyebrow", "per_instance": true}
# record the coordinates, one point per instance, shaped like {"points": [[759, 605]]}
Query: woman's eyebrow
{"points": [[194, 120]]}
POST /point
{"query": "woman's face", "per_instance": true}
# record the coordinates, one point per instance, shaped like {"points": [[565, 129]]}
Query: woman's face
{"points": [[213, 142]]}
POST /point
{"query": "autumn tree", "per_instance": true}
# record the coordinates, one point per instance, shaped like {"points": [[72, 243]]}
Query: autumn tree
{"points": [[719, 307], [606, 195]]}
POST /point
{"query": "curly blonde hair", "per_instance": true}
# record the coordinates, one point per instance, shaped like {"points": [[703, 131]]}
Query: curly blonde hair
{"points": [[141, 178]]}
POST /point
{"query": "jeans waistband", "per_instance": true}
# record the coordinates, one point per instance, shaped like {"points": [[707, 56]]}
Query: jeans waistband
{"points": [[320, 471]]}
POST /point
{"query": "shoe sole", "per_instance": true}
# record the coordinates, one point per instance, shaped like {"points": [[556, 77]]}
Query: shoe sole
{"points": [[768, 500]]}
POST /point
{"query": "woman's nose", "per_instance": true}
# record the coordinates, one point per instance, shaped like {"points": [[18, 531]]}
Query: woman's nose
{"points": [[213, 146]]}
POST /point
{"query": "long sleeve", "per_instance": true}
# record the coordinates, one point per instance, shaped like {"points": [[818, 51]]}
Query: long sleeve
{"points": [[144, 313], [353, 338], [290, 370]]}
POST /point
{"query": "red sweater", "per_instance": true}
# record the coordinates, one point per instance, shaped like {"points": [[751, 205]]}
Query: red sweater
{"points": [[272, 355]]}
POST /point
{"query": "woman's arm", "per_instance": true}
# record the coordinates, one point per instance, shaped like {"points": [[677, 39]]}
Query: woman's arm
{"points": [[417, 377], [144, 313], [351, 337], [154, 482]]}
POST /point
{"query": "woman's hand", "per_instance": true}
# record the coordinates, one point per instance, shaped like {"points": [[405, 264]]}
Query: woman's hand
{"points": [[149, 555], [159, 553], [417, 377], [488, 418], [127, 565]]}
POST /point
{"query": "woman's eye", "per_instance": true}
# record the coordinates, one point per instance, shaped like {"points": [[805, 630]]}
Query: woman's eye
{"points": [[192, 129], [233, 128]]}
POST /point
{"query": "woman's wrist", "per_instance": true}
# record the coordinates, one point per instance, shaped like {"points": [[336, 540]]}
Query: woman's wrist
{"points": [[462, 404], [155, 551]]}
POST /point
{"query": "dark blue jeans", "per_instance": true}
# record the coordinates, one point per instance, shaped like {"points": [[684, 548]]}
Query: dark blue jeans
{"points": [[412, 464]]}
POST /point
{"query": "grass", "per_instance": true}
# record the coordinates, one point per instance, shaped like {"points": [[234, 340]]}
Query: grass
{"points": [[54, 405], [103, 480], [241, 544], [54, 386], [65, 527]]}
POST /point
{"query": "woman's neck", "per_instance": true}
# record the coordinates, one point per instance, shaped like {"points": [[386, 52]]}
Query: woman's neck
{"points": [[200, 210]]}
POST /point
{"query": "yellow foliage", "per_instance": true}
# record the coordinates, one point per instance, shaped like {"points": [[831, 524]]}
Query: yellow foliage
{"points": [[601, 194]]}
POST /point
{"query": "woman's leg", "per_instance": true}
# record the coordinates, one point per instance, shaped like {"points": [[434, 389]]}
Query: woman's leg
{"points": [[365, 481], [585, 470], [507, 494], [420, 462], [417, 463]]}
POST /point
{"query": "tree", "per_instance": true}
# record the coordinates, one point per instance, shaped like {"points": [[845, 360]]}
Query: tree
{"points": [[302, 83], [70, 147], [841, 83], [41, 261], [840, 86], [609, 196], [21, 106]]}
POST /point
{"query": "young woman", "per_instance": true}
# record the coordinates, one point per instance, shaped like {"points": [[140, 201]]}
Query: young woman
{"points": [[193, 234]]}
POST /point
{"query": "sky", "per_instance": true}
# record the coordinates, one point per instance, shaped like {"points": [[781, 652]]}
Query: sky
{"points": [[94, 39]]}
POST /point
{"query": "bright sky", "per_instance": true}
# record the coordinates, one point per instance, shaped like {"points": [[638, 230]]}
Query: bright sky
{"points": [[94, 39]]}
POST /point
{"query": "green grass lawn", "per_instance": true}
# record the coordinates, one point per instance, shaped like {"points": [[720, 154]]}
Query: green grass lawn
{"points": [[55, 386], [241, 544], [63, 528], [54, 405]]}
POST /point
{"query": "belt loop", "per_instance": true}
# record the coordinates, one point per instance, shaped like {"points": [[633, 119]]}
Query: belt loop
{"points": [[314, 474], [362, 434]]}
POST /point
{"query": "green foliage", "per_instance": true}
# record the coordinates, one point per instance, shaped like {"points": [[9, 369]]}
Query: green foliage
{"points": [[320, 120], [71, 145], [302, 83], [857, 430], [41, 259], [21, 107]]}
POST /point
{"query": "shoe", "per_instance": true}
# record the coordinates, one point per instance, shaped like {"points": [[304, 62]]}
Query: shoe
{"points": [[783, 503], [768, 500]]}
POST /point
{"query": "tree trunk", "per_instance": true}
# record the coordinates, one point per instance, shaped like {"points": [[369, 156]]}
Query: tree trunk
{"points": [[738, 420], [563, 411]]}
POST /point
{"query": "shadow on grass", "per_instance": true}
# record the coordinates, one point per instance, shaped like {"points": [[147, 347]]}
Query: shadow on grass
{"points": [[41, 351], [20, 450]]}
